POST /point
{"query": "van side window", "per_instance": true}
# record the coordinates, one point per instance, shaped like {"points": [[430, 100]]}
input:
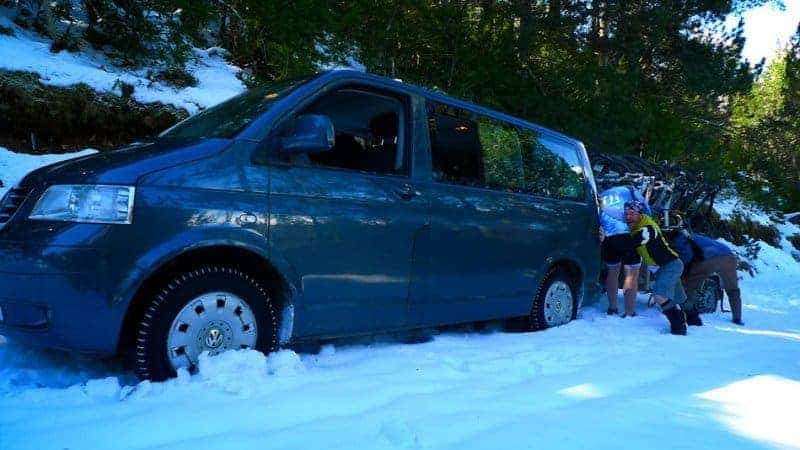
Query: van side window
{"points": [[455, 147], [502, 156], [552, 168], [369, 131], [476, 150]]}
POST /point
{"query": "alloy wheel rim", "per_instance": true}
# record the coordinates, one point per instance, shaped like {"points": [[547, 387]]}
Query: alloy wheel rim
{"points": [[213, 322]]}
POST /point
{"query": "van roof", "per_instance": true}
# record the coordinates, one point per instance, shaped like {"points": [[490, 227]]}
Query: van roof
{"points": [[350, 74]]}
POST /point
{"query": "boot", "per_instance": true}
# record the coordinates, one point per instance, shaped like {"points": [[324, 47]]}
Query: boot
{"points": [[677, 320], [693, 318], [735, 299]]}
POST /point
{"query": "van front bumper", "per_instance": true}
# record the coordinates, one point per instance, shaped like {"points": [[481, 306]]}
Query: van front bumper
{"points": [[58, 297]]}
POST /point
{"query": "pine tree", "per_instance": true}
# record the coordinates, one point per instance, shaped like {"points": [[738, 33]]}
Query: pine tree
{"points": [[765, 133]]}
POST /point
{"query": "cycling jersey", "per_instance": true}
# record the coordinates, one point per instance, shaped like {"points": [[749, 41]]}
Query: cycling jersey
{"points": [[612, 214], [652, 244]]}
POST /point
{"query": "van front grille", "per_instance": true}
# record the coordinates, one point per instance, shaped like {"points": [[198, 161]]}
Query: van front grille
{"points": [[11, 202]]}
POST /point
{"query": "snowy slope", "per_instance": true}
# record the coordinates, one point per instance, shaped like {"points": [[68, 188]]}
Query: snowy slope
{"points": [[29, 52], [598, 383]]}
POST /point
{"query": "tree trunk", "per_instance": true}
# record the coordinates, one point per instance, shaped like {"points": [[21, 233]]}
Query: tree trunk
{"points": [[554, 11], [602, 32], [525, 31]]}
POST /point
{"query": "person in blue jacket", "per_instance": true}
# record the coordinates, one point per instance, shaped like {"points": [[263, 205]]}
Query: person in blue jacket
{"points": [[618, 248], [703, 256]]}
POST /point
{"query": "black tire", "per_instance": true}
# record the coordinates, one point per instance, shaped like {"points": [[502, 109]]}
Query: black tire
{"points": [[540, 316], [150, 356], [708, 295]]}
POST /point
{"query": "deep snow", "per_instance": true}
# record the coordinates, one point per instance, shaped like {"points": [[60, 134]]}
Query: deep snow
{"points": [[599, 382]]}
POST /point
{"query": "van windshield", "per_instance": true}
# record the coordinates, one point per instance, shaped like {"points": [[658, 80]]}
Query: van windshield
{"points": [[232, 116]]}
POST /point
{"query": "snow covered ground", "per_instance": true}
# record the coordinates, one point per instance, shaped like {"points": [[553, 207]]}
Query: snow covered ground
{"points": [[597, 383], [27, 51]]}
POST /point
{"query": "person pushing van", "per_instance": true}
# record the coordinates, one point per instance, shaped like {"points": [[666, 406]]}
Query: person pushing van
{"points": [[702, 257], [618, 249], [656, 251]]}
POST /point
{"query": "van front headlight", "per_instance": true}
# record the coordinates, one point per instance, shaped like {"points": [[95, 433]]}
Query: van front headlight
{"points": [[85, 203]]}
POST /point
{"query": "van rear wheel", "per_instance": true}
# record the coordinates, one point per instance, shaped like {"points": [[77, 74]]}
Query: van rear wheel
{"points": [[211, 309], [555, 302], [709, 295]]}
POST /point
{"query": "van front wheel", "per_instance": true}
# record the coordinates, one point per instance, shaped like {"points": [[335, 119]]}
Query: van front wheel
{"points": [[555, 302], [211, 309]]}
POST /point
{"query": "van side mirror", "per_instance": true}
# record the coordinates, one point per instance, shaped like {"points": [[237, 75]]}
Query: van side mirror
{"points": [[310, 133]]}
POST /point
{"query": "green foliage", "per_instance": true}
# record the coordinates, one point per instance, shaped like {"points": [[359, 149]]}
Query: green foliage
{"points": [[545, 172], [646, 84], [177, 77], [502, 156], [126, 89], [795, 240], [69, 40], [121, 26], [765, 134], [191, 18], [45, 21], [515, 160], [7, 31], [745, 230], [77, 116], [139, 32]]}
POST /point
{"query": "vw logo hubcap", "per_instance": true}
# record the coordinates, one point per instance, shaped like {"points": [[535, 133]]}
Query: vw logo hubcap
{"points": [[212, 322], [214, 338]]}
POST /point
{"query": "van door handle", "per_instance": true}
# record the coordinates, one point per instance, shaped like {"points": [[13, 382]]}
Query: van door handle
{"points": [[248, 219], [407, 192]]}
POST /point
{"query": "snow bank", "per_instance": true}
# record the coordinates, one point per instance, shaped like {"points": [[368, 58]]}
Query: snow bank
{"points": [[236, 372], [726, 207], [23, 368], [27, 51], [783, 260], [14, 166]]}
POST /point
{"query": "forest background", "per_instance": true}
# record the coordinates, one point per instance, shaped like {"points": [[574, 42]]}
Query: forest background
{"points": [[661, 79]]}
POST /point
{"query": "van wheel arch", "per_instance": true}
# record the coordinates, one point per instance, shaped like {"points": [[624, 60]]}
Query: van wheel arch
{"points": [[247, 261], [214, 309]]}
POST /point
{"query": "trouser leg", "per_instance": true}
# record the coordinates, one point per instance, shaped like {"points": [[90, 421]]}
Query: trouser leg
{"points": [[669, 294]]}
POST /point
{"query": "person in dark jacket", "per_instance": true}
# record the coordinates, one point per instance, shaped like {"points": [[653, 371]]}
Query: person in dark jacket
{"points": [[703, 256], [656, 251]]}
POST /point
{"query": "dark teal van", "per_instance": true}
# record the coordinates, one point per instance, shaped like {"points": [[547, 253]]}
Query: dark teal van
{"points": [[339, 204]]}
